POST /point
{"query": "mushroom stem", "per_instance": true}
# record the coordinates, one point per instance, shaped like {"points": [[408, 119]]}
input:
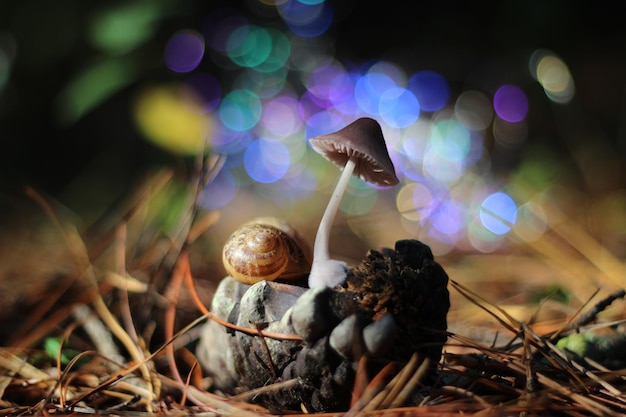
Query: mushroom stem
{"points": [[321, 269]]}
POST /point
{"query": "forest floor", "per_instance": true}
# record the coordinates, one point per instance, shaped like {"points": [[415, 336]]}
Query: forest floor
{"points": [[103, 321]]}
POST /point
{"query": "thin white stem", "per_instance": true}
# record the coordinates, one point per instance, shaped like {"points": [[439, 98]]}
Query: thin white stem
{"points": [[320, 248]]}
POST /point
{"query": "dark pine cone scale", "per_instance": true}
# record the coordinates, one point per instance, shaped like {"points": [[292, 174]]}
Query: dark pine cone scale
{"points": [[409, 284]]}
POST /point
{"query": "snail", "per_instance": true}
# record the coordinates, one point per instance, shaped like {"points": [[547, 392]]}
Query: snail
{"points": [[266, 249]]}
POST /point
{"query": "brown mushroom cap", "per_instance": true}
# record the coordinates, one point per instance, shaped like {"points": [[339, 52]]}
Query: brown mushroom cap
{"points": [[364, 139]]}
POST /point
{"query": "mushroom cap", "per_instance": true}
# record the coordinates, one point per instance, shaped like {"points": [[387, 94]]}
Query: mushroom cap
{"points": [[364, 139]]}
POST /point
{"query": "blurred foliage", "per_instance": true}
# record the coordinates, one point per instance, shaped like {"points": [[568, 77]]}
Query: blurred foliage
{"points": [[70, 79]]}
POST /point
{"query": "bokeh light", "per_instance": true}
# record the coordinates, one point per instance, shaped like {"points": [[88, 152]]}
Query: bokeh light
{"points": [[280, 116], [323, 122], [369, 89], [219, 192], [265, 50], [299, 186], [263, 85], [510, 103], [450, 140], [441, 169], [482, 239], [122, 27], [553, 75], [279, 53], [287, 85], [170, 119], [405, 204], [266, 160], [90, 87], [448, 220], [330, 84], [240, 110], [532, 221], [398, 107], [473, 109], [184, 51], [498, 213], [226, 141], [431, 90], [360, 198], [306, 18], [414, 201], [286, 89]]}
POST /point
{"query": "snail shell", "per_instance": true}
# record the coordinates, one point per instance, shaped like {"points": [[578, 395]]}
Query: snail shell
{"points": [[266, 249]]}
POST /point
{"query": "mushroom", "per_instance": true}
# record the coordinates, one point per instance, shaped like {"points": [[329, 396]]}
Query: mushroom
{"points": [[359, 149]]}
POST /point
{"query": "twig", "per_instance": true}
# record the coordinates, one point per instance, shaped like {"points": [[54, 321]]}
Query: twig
{"points": [[275, 387], [417, 376], [187, 383], [599, 307], [399, 381], [99, 334], [18, 366], [119, 256], [586, 372], [81, 259], [176, 282], [472, 296], [467, 394], [569, 324], [136, 366], [373, 388], [245, 330], [588, 404]]}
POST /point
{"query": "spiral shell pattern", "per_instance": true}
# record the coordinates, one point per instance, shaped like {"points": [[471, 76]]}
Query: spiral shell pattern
{"points": [[257, 252]]}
